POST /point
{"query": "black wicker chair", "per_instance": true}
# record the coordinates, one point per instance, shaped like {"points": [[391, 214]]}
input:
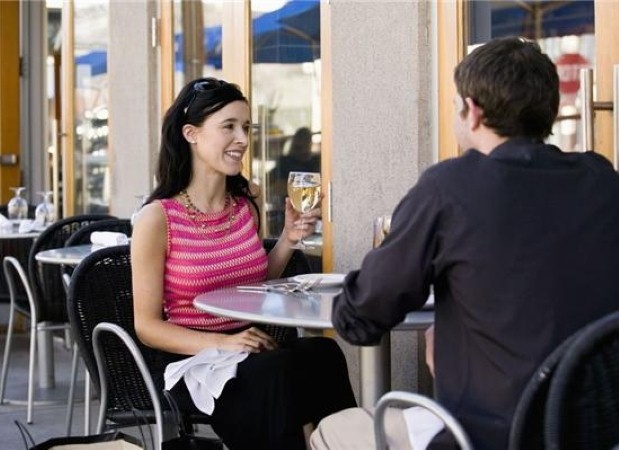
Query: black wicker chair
{"points": [[82, 236], [46, 279], [582, 411], [101, 291], [46, 302], [527, 428], [401, 399]]}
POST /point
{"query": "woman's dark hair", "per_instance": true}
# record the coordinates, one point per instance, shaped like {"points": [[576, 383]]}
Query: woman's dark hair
{"points": [[194, 103], [514, 83]]}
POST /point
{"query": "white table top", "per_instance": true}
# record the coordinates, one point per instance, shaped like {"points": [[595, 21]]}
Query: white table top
{"points": [[305, 310], [70, 256], [6, 233]]}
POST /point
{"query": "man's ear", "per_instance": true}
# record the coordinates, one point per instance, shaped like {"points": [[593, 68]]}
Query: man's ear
{"points": [[189, 132], [474, 113]]}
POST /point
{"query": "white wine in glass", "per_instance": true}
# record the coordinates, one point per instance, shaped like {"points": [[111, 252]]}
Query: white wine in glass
{"points": [[304, 194]]}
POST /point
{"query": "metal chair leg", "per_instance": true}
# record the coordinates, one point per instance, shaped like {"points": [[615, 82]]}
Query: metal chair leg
{"points": [[33, 350], [7, 351], [71, 399], [87, 404]]}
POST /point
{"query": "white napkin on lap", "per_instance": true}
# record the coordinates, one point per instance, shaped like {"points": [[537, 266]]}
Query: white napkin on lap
{"points": [[422, 426], [108, 238], [205, 375]]}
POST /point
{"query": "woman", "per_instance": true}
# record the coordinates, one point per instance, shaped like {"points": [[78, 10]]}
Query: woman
{"points": [[199, 232]]}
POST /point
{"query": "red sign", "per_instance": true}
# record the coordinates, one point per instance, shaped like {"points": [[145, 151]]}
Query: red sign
{"points": [[568, 68]]}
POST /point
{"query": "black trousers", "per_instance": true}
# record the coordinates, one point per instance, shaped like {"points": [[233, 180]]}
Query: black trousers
{"points": [[275, 393]]}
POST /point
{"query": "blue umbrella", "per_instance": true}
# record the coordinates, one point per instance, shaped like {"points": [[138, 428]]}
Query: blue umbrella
{"points": [[97, 60], [557, 18], [290, 34], [284, 35]]}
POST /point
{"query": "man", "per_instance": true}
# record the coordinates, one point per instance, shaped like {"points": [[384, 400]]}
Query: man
{"points": [[519, 240]]}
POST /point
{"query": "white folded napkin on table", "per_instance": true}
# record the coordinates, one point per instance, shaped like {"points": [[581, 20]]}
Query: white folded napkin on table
{"points": [[26, 226], [205, 375], [422, 426], [5, 224], [108, 238]]}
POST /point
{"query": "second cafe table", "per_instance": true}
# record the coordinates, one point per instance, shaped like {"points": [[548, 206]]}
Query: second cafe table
{"points": [[69, 256], [311, 311]]}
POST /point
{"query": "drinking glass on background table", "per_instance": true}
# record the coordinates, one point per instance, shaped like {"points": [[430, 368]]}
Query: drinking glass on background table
{"points": [[304, 194], [17, 208], [45, 212], [382, 226]]}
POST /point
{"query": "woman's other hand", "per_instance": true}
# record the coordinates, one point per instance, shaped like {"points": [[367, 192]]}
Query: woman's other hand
{"points": [[297, 225], [252, 340]]}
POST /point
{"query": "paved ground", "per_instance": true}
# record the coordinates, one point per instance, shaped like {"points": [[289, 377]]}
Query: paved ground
{"points": [[49, 420]]}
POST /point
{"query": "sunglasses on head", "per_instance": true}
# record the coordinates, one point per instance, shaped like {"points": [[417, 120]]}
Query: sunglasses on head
{"points": [[200, 87]]}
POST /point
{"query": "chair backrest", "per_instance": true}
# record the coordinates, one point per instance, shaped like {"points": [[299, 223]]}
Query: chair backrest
{"points": [[20, 249], [402, 399], [582, 410], [82, 236], [111, 342], [527, 428], [101, 291], [46, 279], [298, 263]]}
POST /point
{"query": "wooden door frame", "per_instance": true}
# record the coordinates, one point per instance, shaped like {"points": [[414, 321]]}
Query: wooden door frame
{"points": [[606, 55], [452, 20], [10, 170]]}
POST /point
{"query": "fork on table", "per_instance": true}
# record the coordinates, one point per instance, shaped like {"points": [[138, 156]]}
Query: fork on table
{"points": [[286, 288]]}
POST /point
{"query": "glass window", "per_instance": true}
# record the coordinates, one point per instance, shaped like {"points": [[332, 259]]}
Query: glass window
{"points": [[564, 30], [285, 77], [197, 40], [91, 166]]}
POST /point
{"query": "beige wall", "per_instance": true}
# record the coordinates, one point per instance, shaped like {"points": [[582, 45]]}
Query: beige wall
{"points": [[382, 131], [134, 110]]}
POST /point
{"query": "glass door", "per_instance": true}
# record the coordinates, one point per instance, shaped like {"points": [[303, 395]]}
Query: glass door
{"points": [[286, 101], [197, 40], [564, 30], [576, 34], [82, 173]]}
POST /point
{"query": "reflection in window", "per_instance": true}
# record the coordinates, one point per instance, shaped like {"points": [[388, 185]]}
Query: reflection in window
{"points": [[91, 169], [564, 30], [197, 40], [285, 98]]}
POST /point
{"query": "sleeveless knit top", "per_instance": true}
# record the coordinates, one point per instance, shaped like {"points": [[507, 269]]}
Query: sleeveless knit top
{"points": [[206, 253]]}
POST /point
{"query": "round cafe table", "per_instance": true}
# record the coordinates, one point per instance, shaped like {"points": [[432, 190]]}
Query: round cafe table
{"points": [[311, 311]]}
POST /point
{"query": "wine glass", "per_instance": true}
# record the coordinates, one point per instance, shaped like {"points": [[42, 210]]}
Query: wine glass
{"points": [[304, 194], [17, 208], [45, 212]]}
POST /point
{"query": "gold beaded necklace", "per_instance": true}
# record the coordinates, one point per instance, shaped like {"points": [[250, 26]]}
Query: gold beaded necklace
{"points": [[201, 218]]}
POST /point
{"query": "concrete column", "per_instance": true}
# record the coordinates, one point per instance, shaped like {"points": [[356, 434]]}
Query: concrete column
{"points": [[134, 111], [382, 132]]}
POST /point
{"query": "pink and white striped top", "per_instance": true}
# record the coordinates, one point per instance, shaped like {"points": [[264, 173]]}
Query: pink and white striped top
{"points": [[226, 251]]}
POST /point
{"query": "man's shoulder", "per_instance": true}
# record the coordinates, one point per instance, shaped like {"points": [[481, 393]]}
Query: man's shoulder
{"points": [[449, 167]]}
